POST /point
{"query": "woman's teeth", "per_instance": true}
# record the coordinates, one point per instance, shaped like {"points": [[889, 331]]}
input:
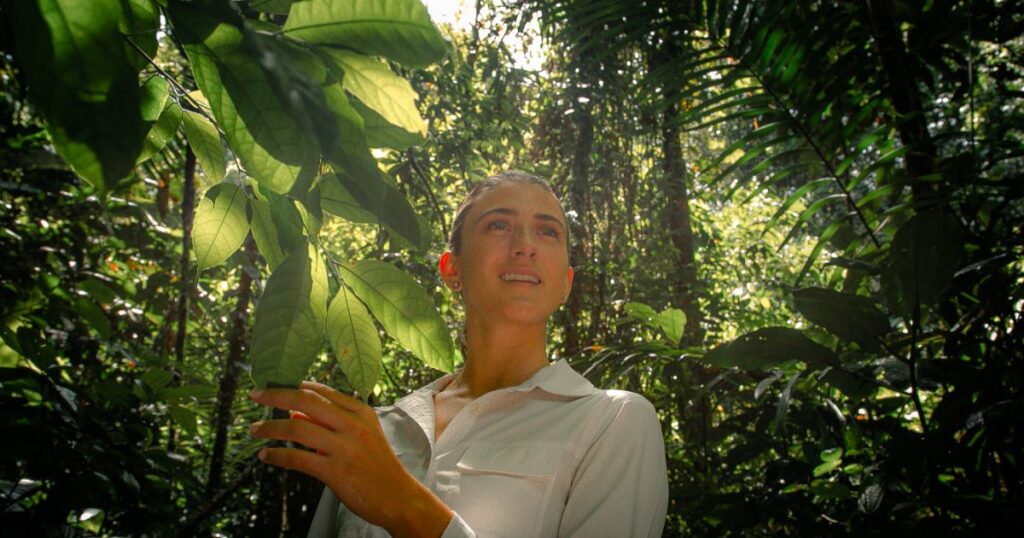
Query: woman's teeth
{"points": [[522, 278]]}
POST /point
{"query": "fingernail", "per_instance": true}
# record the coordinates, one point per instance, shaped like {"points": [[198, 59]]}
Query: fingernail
{"points": [[254, 426], [263, 454], [255, 393]]}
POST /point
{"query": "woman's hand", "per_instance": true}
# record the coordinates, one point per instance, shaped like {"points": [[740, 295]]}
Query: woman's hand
{"points": [[352, 457]]}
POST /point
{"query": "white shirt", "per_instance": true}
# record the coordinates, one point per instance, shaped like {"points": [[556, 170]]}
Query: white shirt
{"points": [[550, 457]]}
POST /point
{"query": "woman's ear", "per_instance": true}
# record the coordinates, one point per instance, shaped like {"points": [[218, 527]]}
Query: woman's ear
{"points": [[449, 273], [569, 274]]}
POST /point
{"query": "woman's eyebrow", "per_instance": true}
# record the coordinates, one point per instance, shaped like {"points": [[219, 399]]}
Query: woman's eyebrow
{"points": [[499, 210], [508, 211], [549, 218]]}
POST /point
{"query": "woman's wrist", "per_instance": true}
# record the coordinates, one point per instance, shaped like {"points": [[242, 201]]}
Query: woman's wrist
{"points": [[422, 514]]}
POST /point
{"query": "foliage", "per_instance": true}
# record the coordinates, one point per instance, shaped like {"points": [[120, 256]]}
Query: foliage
{"points": [[795, 227]]}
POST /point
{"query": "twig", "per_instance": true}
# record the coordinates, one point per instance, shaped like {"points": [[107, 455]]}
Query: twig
{"points": [[430, 192], [189, 527], [174, 82]]}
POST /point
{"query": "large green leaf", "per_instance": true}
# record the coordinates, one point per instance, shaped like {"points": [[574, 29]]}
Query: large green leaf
{"points": [[382, 134], [373, 82], [353, 337], [396, 29], [376, 195], [925, 255], [768, 347], [268, 141], [846, 315], [79, 76], [276, 226], [335, 199], [403, 308], [202, 135], [290, 320], [140, 19], [220, 225]]}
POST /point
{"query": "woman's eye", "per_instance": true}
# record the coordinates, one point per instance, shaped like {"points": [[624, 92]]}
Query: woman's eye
{"points": [[497, 225], [549, 231]]}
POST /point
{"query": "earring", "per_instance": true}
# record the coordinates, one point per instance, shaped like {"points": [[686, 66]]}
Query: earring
{"points": [[456, 285]]}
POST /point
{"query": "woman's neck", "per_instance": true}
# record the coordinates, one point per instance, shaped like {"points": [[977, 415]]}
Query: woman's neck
{"points": [[501, 356]]}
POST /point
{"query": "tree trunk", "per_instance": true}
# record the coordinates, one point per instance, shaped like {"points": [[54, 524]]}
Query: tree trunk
{"points": [[906, 99], [229, 378], [579, 184], [188, 205]]}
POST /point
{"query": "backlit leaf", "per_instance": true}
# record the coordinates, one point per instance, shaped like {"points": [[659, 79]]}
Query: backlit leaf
{"points": [[270, 144], [373, 82], [206, 143], [79, 76], [290, 320], [220, 225], [353, 337], [673, 322], [400, 30], [403, 308]]}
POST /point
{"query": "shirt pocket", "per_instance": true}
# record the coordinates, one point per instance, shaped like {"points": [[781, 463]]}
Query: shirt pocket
{"points": [[503, 491]]}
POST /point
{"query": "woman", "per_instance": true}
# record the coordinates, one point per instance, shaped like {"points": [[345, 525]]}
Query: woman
{"points": [[509, 445]]}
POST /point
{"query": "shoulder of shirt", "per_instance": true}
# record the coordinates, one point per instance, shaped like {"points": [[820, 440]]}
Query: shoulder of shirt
{"points": [[616, 402]]}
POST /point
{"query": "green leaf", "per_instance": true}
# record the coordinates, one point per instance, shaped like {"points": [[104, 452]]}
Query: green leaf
{"points": [[640, 311], [264, 232], [925, 255], [382, 134], [161, 132], [335, 199], [373, 82], [140, 20], [268, 141], [290, 320], [768, 347], [355, 342], [846, 315], [154, 93], [220, 225], [404, 309], [279, 7], [782, 407], [82, 82], [400, 30], [92, 314], [186, 418], [673, 322], [385, 201], [202, 135], [351, 154]]}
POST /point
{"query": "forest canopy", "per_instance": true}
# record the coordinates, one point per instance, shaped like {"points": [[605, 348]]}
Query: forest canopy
{"points": [[796, 228]]}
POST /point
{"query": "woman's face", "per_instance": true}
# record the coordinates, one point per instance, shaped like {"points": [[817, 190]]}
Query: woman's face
{"points": [[513, 264]]}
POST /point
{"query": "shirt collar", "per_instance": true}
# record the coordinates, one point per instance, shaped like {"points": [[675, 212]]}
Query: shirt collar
{"points": [[558, 378]]}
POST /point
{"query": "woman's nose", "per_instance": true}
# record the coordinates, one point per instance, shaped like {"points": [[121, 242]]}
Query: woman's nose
{"points": [[522, 243]]}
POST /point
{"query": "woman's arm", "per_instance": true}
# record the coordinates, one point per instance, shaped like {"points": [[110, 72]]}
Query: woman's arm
{"points": [[353, 458]]}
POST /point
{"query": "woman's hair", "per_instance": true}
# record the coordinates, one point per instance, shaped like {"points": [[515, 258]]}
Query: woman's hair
{"points": [[478, 190]]}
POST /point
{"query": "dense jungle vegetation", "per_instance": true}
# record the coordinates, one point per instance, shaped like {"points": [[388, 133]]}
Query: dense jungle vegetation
{"points": [[797, 227]]}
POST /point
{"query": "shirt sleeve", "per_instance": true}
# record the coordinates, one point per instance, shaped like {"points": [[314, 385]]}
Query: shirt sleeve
{"points": [[621, 485], [458, 528]]}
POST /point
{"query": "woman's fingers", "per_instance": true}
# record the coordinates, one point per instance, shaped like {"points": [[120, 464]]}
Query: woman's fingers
{"points": [[297, 460], [317, 408], [298, 431], [343, 401]]}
